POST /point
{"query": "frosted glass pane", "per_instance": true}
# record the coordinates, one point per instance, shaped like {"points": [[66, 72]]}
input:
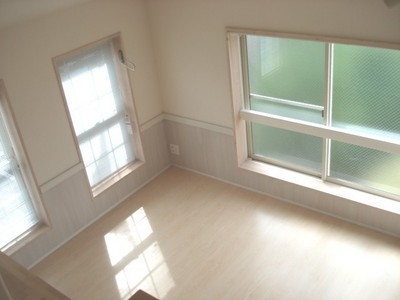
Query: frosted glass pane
{"points": [[366, 89], [289, 148], [372, 168], [287, 69]]}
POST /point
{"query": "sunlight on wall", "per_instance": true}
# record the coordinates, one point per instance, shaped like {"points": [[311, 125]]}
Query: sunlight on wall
{"points": [[137, 257]]}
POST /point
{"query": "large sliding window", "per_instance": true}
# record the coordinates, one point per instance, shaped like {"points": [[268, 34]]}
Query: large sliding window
{"points": [[97, 93], [322, 108]]}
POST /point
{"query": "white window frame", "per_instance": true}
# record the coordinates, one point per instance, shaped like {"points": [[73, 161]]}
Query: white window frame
{"points": [[129, 106], [27, 175], [243, 116]]}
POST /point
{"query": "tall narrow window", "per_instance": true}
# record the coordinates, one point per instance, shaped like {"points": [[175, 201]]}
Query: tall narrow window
{"points": [[101, 109], [322, 108], [19, 203]]}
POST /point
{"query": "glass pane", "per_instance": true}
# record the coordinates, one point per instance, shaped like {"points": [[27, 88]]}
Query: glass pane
{"points": [[107, 152], [101, 80], [17, 214], [289, 75], [372, 168], [366, 89], [101, 144], [101, 169], [117, 136], [107, 106], [289, 148], [121, 156], [87, 153], [90, 100]]}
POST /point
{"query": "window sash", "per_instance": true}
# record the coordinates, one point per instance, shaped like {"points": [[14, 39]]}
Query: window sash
{"points": [[391, 145], [18, 214], [125, 143], [87, 60], [388, 143]]}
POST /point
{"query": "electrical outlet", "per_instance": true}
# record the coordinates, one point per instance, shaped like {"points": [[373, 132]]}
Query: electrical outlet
{"points": [[174, 149]]}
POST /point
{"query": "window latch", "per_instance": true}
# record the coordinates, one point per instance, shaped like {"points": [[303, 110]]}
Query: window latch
{"points": [[127, 63]]}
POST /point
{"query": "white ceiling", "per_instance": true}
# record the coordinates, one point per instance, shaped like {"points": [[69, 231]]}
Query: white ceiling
{"points": [[15, 11]]}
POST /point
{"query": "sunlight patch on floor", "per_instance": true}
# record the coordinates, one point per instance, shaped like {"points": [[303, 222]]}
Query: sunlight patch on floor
{"points": [[137, 257]]}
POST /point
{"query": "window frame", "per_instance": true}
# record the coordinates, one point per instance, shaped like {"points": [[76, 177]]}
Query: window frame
{"points": [[27, 174], [124, 82], [243, 117]]}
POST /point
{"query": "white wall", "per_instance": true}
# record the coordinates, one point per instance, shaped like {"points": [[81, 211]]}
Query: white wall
{"points": [[26, 54], [189, 38]]}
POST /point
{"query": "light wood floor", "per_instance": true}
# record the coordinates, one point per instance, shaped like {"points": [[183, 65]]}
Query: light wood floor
{"points": [[186, 236]]}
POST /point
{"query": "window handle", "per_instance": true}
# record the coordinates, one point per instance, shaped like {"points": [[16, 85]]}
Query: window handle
{"points": [[128, 124], [127, 63]]}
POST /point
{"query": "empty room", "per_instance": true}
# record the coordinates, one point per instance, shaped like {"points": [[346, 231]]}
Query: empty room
{"points": [[199, 149]]}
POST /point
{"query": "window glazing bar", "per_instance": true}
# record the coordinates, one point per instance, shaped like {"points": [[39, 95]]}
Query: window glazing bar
{"points": [[246, 90], [326, 156], [288, 102], [309, 128]]}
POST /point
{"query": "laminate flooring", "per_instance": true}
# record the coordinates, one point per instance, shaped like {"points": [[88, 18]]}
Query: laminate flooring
{"points": [[187, 236]]}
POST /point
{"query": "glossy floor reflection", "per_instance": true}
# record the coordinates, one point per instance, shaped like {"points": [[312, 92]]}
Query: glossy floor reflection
{"points": [[185, 236], [137, 257]]}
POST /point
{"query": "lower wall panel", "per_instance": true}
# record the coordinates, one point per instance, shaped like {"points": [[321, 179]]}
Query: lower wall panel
{"points": [[71, 208], [213, 154]]}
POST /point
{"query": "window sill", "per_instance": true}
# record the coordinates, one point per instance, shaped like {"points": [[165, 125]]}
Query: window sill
{"points": [[26, 238], [100, 188], [317, 184]]}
